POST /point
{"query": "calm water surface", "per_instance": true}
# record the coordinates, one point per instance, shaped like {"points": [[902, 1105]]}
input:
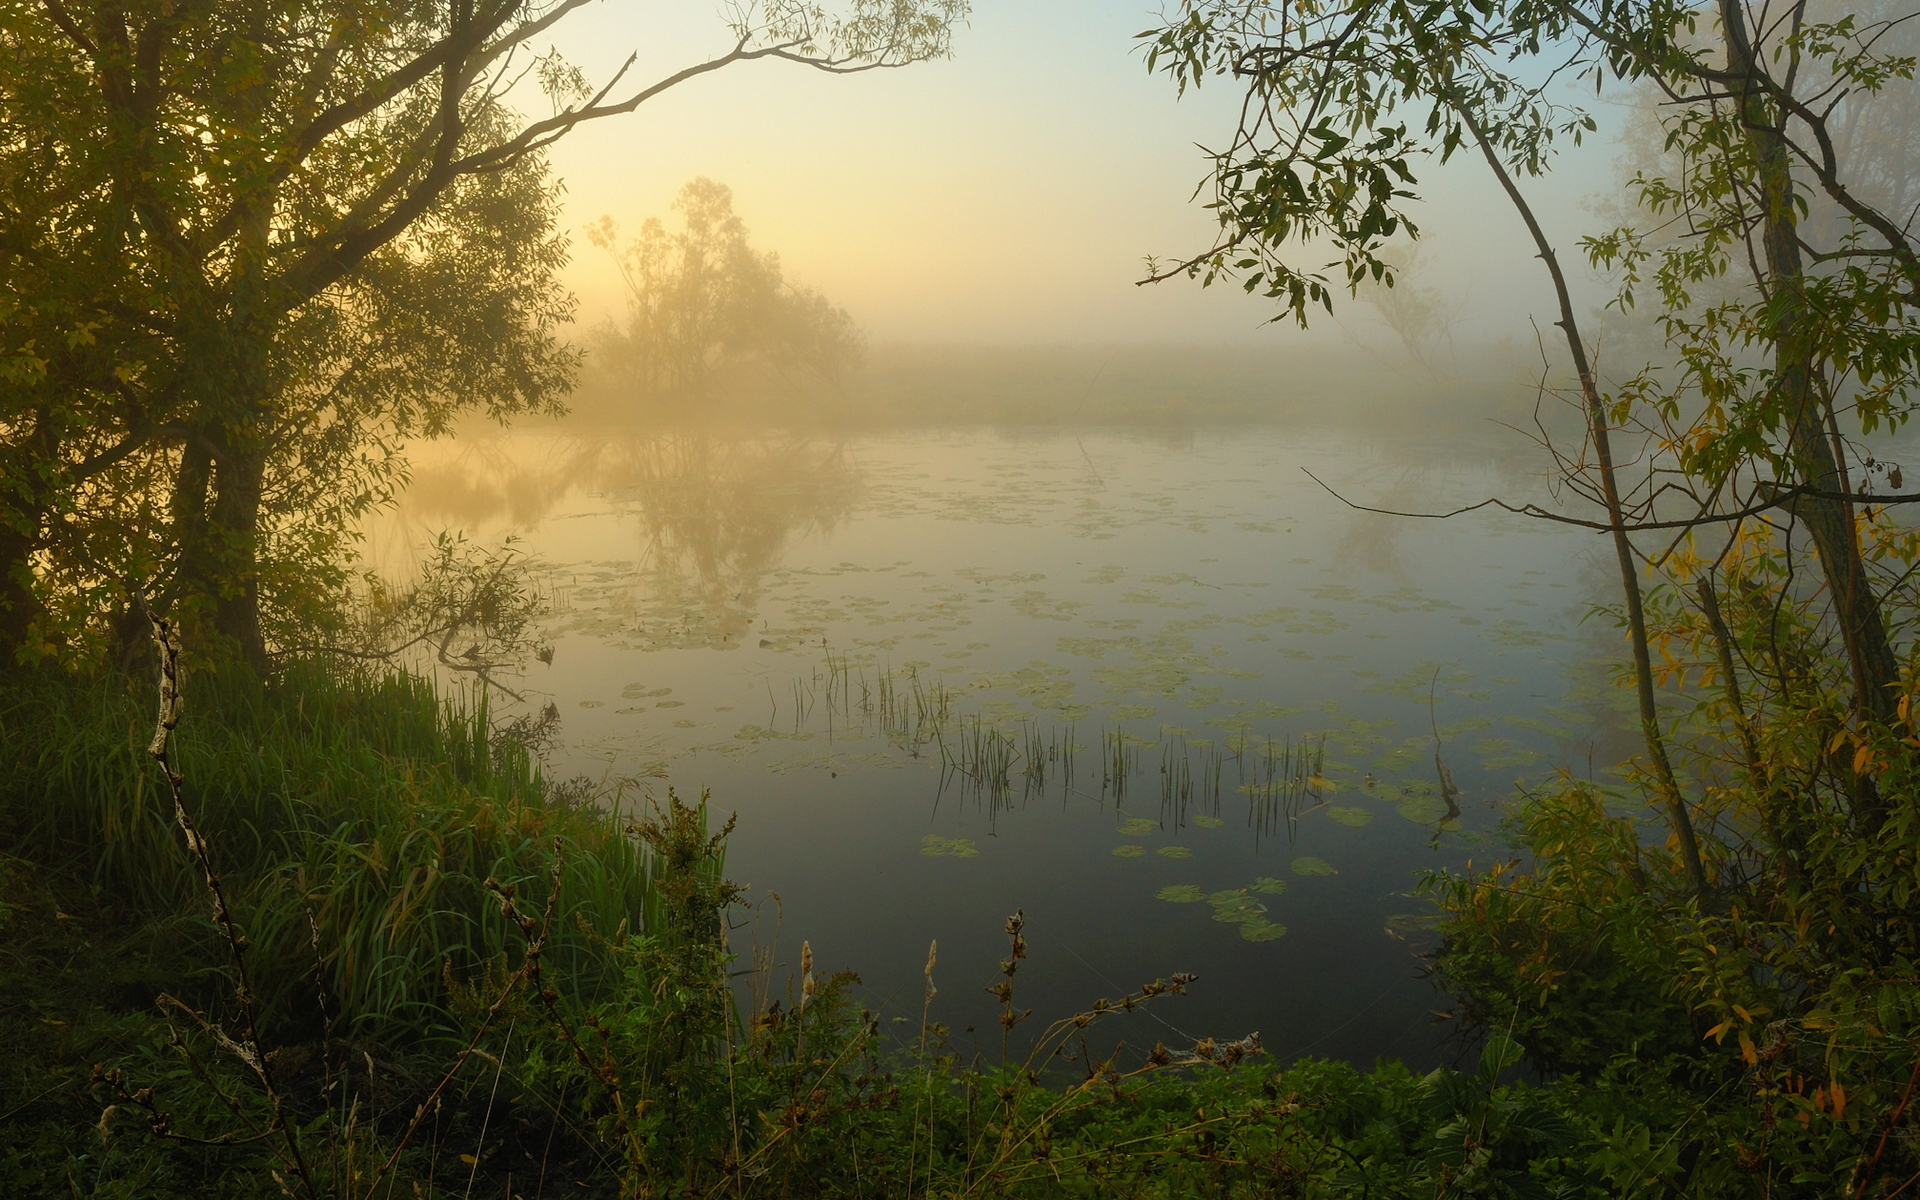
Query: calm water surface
{"points": [[1231, 685]]}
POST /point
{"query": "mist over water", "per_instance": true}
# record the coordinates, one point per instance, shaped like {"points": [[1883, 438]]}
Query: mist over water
{"points": [[1133, 672]]}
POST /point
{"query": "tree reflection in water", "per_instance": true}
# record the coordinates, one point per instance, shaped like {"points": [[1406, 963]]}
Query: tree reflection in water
{"points": [[715, 511]]}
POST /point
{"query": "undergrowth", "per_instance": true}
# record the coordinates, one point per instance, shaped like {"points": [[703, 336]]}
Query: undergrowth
{"points": [[436, 977], [354, 816]]}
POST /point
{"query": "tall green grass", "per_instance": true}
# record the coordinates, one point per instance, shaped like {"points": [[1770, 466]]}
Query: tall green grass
{"points": [[354, 815]]}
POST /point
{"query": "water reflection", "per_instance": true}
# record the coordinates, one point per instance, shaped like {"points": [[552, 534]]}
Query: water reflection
{"points": [[712, 511], [717, 512]]}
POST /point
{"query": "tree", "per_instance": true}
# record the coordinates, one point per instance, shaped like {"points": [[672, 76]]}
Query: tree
{"points": [[703, 299], [1344, 101], [1780, 943], [222, 219]]}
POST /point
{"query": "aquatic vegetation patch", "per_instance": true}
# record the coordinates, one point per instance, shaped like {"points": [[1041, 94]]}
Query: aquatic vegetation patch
{"points": [[1236, 906], [1129, 851], [1351, 816], [1417, 800], [935, 846], [1175, 852], [1310, 866]]}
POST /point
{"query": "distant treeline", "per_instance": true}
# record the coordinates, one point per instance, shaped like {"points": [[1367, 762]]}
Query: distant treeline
{"points": [[1091, 384]]}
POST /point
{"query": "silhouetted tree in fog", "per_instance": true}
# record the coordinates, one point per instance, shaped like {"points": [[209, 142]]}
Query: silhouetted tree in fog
{"points": [[703, 299]]}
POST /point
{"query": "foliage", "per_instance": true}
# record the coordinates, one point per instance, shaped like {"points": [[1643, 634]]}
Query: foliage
{"points": [[1763, 1038], [1345, 100], [250, 248], [479, 597], [354, 800], [657, 1079], [1738, 1004], [702, 300]]}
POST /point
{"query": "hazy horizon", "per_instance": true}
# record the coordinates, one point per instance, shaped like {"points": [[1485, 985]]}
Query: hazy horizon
{"points": [[1006, 196]]}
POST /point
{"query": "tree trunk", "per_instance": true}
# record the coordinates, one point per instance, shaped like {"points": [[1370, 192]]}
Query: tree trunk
{"points": [[218, 492], [216, 508], [235, 524], [1678, 816], [20, 606], [1870, 657]]}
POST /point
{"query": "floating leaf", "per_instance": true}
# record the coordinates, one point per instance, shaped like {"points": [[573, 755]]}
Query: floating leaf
{"points": [[1270, 886], [593, 704], [1353, 816], [1306, 864], [1129, 851], [1138, 826], [1234, 905], [1175, 852], [936, 846], [1206, 822], [1180, 893], [1262, 930]]}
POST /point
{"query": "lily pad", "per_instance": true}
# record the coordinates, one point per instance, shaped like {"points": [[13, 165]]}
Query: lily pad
{"points": [[1175, 852], [593, 704], [1138, 826], [1262, 930], [1235, 905], [1206, 822], [936, 846], [1352, 816], [1180, 893], [1270, 886], [1129, 851], [1306, 864]]}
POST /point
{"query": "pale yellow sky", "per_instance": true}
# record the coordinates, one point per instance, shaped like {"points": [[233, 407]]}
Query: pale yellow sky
{"points": [[1008, 194]]}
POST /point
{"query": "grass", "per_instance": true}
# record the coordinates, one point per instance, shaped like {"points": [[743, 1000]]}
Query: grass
{"points": [[387, 851], [355, 818]]}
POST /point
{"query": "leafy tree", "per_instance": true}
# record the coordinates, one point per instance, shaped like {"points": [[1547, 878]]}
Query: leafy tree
{"points": [[1778, 920], [703, 299], [1345, 101], [254, 245]]}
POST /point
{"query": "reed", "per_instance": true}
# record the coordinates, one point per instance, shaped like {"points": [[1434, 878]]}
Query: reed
{"points": [[354, 810]]}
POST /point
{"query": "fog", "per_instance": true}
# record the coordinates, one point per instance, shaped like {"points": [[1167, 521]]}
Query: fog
{"points": [[1008, 195]]}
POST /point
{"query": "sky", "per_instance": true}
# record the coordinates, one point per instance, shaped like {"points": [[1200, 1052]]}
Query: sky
{"points": [[1007, 195]]}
